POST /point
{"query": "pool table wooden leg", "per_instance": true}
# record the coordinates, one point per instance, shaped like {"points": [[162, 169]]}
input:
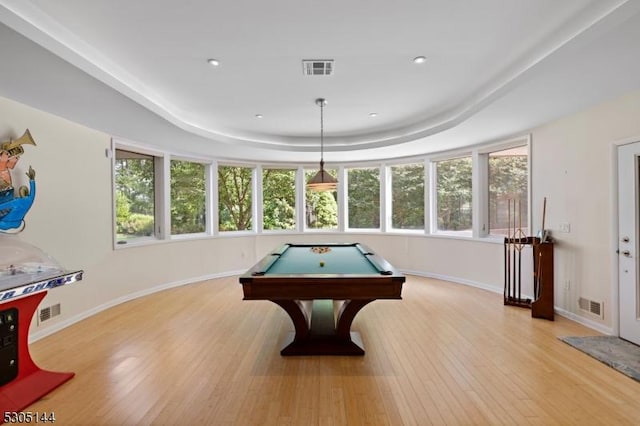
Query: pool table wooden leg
{"points": [[317, 332], [347, 313], [300, 315]]}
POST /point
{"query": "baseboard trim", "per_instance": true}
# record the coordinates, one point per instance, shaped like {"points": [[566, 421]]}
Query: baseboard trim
{"points": [[561, 312], [40, 334], [456, 280], [585, 321]]}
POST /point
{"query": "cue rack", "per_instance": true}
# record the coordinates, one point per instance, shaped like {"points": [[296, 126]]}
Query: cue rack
{"points": [[515, 243]]}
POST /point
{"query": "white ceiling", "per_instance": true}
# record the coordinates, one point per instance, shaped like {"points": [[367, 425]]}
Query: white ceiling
{"points": [[138, 70]]}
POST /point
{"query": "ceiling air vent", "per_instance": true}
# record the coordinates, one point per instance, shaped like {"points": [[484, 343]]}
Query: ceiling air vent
{"points": [[317, 66]]}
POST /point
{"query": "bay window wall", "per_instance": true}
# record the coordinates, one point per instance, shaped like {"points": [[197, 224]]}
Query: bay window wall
{"points": [[160, 195]]}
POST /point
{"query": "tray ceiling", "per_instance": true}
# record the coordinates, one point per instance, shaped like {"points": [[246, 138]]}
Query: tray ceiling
{"points": [[492, 69]]}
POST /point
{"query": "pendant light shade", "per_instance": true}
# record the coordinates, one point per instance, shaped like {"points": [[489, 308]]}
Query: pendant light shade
{"points": [[322, 181]]}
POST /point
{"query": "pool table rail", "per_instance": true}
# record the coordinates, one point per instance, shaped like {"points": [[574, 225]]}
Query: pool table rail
{"points": [[329, 286]]}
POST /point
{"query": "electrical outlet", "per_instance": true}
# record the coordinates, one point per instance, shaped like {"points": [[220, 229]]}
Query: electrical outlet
{"points": [[565, 227], [567, 285]]}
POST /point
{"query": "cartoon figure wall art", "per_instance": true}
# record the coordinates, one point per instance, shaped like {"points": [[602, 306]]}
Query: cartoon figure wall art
{"points": [[14, 204]]}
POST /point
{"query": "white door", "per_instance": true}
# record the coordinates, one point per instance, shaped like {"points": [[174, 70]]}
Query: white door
{"points": [[628, 212]]}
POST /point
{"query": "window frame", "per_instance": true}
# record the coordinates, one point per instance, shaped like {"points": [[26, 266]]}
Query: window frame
{"points": [[159, 226], [387, 186], [260, 198], [254, 198], [433, 190], [345, 180], [208, 166], [483, 152], [162, 215], [339, 200]]}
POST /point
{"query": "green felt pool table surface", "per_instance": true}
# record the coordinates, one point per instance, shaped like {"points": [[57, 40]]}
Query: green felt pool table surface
{"points": [[340, 259]]}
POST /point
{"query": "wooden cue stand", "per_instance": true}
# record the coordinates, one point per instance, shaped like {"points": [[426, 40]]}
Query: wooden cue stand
{"points": [[542, 304]]}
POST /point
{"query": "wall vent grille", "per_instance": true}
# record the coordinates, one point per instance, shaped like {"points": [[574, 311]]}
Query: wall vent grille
{"points": [[317, 66], [591, 307], [55, 310], [45, 314], [49, 312]]}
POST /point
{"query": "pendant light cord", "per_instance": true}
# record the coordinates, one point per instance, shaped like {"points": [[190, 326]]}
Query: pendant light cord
{"points": [[322, 133]]}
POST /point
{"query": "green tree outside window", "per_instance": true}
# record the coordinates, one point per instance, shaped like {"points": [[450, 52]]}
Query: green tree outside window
{"points": [[364, 198], [508, 181], [135, 195], [278, 199], [188, 197], [407, 196], [453, 187], [234, 198], [321, 207]]}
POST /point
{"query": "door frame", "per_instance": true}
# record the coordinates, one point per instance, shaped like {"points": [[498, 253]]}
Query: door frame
{"points": [[615, 228]]}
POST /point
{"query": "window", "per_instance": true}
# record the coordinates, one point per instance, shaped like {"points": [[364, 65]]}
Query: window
{"points": [[407, 196], [135, 195], [508, 190], [278, 199], [363, 191], [188, 197], [321, 208], [453, 189], [234, 198], [147, 201]]}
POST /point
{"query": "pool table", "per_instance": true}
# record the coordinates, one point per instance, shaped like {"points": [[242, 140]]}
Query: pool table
{"points": [[322, 287]]}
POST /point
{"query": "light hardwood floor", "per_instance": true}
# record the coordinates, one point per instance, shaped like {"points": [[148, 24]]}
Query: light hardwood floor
{"points": [[445, 354]]}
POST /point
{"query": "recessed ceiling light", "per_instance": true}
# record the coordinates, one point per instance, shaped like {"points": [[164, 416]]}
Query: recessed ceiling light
{"points": [[259, 115], [373, 114], [419, 59], [213, 62]]}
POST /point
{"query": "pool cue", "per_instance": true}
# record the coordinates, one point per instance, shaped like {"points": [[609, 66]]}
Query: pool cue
{"points": [[506, 258], [536, 271], [521, 245], [538, 280], [515, 247], [536, 274], [509, 247], [509, 239], [506, 269], [544, 215], [516, 228]]}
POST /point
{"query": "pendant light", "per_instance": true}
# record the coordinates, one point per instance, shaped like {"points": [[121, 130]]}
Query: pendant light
{"points": [[322, 181]]}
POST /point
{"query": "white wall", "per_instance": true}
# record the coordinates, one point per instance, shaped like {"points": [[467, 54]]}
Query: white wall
{"points": [[72, 218], [573, 169]]}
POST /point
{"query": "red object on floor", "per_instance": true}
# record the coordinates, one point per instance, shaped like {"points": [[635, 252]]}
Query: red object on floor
{"points": [[31, 383]]}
